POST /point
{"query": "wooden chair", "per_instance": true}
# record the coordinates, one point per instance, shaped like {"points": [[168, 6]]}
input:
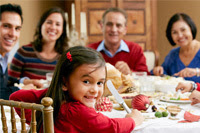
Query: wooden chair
{"points": [[45, 107], [152, 58]]}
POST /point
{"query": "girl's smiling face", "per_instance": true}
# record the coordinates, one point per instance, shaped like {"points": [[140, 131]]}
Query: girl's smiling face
{"points": [[86, 84]]}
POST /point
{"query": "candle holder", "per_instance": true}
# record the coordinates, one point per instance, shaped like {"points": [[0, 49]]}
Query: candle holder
{"points": [[74, 39]]}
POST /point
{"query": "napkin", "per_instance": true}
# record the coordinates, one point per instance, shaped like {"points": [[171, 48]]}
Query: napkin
{"points": [[189, 117]]}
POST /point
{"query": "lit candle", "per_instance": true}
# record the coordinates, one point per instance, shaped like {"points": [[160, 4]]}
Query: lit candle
{"points": [[73, 14], [83, 23], [67, 23]]}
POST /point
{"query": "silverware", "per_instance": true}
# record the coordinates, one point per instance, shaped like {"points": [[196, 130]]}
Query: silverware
{"points": [[117, 96]]}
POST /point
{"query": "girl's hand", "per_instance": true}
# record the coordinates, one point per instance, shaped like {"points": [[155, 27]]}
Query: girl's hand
{"points": [[158, 70], [187, 72], [195, 97], [136, 116], [184, 87]]}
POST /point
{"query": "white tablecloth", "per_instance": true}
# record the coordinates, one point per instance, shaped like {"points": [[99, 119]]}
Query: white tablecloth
{"points": [[157, 125], [164, 124]]}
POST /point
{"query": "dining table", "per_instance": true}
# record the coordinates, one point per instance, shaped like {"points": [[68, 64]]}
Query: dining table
{"points": [[151, 123], [169, 124]]}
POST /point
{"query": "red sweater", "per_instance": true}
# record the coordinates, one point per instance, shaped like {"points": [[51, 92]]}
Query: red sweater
{"points": [[75, 117], [198, 86], [135, 58]]}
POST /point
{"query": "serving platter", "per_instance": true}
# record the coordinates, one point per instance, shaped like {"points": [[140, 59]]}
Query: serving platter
{"points": [[164, 99]]}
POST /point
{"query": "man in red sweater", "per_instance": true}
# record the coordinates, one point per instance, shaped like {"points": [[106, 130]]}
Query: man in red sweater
{"points": [[126, 56]]}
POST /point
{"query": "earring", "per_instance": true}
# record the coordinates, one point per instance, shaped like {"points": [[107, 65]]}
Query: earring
{"points": [[64, 88]]}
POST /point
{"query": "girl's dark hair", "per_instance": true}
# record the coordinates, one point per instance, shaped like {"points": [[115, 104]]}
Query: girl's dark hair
{"points": [[61, 43], [176, 17], [80, 55]]}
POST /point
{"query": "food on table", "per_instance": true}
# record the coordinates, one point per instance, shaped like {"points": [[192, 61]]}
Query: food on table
{"points": [[123, 83], [126, 96], [140, 102], [191, 117], [162, 109], [158, 114], [173, 118], [128, 102], [174, 113], [177, 96], [173, 110], [154, 108], [104, 104], [165, 114], [20, 85], [167, 83], [44, 82], [118, 108]]}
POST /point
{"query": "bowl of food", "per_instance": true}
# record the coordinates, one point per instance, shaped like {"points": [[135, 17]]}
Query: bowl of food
{"points": [[165, 87], [173, 110], [167, 84]]}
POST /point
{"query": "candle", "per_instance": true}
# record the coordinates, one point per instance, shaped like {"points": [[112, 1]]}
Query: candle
{"points": [[83, 23], [73, 14], [67, 23]]}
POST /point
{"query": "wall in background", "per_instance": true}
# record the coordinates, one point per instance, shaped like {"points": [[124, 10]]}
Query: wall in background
{"points": [[167, 8], [32, 10]]}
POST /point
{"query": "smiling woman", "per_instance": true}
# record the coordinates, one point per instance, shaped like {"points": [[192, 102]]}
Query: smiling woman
{"points": [[33, 61], [183, 60]]}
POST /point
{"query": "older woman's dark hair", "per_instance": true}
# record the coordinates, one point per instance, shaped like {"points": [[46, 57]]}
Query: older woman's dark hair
{"points": [[175, 18], [61, 43]]}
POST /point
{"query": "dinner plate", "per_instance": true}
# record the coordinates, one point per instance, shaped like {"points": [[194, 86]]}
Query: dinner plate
{"points": [[174, 101]]}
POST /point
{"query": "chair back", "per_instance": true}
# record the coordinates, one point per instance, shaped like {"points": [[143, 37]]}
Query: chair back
{"points": [[152, 58], [45, 107]]}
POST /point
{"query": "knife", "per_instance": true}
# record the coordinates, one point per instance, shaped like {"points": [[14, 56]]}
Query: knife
{"points": [[117, 96]]}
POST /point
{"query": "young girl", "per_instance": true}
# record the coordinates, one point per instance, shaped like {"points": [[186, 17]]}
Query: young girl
{"points": [[77, 84]]}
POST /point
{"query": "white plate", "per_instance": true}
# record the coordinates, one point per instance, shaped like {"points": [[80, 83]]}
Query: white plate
{"points": [[175, 101]]}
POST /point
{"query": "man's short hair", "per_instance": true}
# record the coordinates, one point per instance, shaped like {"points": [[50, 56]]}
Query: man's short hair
{"points": [[115, 9], [11, 8]]}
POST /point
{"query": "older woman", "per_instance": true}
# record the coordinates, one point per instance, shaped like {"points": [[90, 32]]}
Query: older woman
{"points": [[36, 59], [184, 60]]}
